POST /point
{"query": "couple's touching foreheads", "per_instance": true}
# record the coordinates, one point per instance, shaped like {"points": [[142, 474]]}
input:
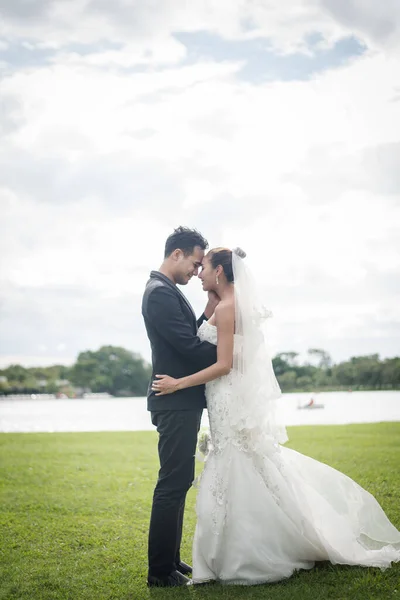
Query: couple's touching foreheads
{"points": [[263, 510]]}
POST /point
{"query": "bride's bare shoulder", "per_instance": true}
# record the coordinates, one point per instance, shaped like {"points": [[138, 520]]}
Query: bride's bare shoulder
{"points": [[225, 309]]}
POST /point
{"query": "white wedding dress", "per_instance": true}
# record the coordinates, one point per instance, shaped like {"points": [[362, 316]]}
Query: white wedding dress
{"points": [[264, 511]]}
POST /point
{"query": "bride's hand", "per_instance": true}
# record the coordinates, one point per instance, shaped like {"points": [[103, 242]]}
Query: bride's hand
{"points": [[164, 384]]}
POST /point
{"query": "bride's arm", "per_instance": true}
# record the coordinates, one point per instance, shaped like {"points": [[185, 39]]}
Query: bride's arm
{"points": [[225, 322]]}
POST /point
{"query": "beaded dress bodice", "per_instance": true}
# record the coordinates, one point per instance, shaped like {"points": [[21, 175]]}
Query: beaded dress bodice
{"points": [[219, 395]]}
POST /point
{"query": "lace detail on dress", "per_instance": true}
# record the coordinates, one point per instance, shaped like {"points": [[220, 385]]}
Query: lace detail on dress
{"points": [[218, 395], [218, 489], [208, 333], [222, 395], [224, 398]]}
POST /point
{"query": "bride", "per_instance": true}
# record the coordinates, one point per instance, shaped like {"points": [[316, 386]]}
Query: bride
{"points": [[263, 510]]}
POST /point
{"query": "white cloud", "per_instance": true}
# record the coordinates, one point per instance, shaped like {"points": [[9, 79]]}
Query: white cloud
{"points": [[98, 162], [378, 23], [287, 26]]}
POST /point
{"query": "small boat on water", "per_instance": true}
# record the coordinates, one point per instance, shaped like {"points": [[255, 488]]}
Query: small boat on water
{"points": [[311, 405]]}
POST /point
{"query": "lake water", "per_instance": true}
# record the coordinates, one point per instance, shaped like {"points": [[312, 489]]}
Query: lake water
{"points": [[130, 414]]}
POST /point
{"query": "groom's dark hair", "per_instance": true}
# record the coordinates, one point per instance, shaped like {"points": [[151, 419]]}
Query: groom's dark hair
{"points": [[185, 239]]}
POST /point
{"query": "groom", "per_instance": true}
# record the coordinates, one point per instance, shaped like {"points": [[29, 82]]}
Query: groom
{"points": [[176, 350]]}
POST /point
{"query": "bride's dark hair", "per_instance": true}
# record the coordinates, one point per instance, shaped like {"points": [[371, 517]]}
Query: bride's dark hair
{"points": [[223, 257]]}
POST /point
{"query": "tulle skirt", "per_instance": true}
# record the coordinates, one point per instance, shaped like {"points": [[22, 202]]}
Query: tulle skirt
{"points": [[261, 517]]}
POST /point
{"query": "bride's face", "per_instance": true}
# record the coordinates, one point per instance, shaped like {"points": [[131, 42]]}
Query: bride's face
{"points": [[208, 275]]}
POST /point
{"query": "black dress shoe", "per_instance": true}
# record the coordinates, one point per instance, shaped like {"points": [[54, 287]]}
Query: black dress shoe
{"points": [[174, 579], [184, 568]]}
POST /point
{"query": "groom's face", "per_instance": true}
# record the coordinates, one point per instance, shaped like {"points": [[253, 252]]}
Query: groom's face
{"points": [[188, 266]]}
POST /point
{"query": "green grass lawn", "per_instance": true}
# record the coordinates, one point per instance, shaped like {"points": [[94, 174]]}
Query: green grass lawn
{"points": [[75, 509]]}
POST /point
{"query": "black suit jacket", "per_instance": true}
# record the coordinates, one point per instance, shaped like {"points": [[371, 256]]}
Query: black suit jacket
{"points": [[176, 349]]}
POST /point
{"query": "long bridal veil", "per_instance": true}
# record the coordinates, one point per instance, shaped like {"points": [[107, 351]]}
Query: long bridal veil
{"points": [[254, 407]]}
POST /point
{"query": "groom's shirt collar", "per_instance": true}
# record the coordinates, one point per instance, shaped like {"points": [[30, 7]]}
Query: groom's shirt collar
{"points": [[158, 275]]}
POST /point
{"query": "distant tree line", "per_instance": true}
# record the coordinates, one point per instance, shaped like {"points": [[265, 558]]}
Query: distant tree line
{"points": [[319, 373], [119, 372], [110, 369]]}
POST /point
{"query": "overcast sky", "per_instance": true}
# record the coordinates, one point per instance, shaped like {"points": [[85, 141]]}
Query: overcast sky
{"points": [[270, 125]]}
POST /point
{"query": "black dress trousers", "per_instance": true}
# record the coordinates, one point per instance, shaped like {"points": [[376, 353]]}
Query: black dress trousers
{"points": [[178, 431]]}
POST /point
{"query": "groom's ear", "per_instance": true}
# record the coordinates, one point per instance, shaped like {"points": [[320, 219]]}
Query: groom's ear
{"points": [[176, 254]]}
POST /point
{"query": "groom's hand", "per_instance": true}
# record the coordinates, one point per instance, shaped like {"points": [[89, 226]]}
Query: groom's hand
{"points": [[164, 384], [213, 301]]}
